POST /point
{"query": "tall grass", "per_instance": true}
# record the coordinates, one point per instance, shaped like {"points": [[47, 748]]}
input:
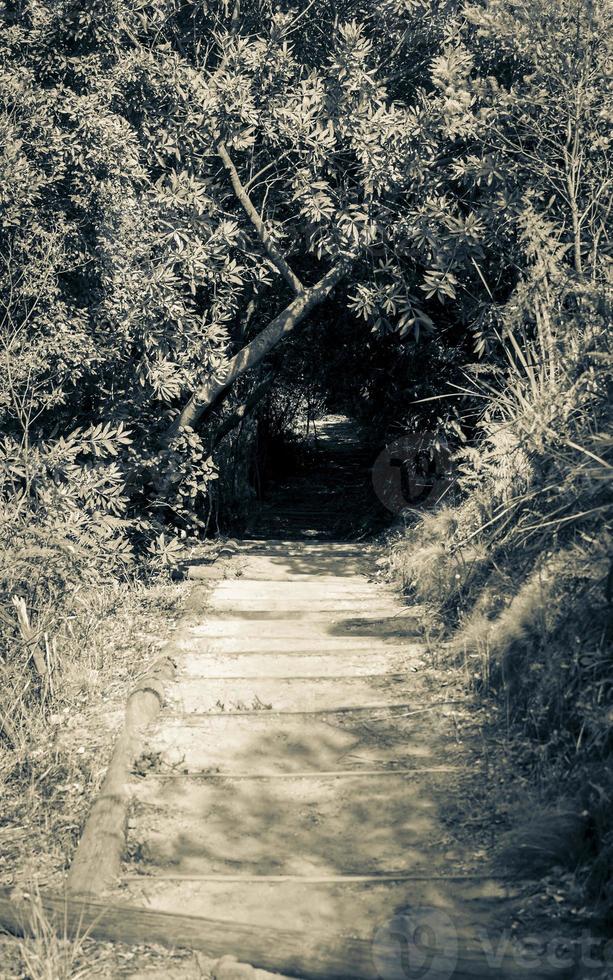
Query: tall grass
{"points": [[520, 571], [71, 644], [52, 954]]}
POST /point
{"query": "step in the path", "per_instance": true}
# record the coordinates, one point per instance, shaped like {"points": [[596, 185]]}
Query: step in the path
{"points": [[269, 663], [301, 774], [304, 826], [258, 742], [307, 624], [348, 907], [291, 694]]}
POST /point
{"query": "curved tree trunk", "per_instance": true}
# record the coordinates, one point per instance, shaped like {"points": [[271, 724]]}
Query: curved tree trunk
{"points": [[254, 352]]}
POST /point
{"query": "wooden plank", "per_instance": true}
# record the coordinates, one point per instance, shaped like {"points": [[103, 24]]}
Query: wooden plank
{"points": [[255, 678], [97, 860], [207, 573], [312, 957], [205, 695], [293, 743], [323, 879], [313, 774], [194, 717]]}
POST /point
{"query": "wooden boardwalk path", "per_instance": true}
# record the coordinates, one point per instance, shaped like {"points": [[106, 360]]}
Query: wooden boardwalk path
{"points": [[288, 808]]}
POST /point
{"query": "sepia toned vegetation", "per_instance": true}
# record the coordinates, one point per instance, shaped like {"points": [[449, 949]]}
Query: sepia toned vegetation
{"points": [[209, 212], [517, 565]]}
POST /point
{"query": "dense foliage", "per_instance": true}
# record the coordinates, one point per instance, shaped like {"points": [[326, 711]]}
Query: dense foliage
{"points": [[422, 187]]}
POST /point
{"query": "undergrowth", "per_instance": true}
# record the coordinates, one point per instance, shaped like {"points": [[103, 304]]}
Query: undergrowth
{"points": [[517, 570], [59, 724]]}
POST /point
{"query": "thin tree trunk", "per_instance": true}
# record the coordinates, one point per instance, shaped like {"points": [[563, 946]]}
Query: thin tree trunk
{"points": [[251, 211], [240, 413], [254, 352]]}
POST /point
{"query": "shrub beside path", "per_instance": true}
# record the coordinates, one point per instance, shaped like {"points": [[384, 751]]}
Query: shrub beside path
{"points": [[290, 804]]}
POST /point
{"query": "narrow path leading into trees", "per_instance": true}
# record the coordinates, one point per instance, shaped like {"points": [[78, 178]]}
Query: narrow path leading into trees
{"points": [[297, 784], [326, 490], [305, 801]]}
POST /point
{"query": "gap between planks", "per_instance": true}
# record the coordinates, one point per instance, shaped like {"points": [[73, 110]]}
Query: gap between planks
{"points": [[326, 774], [297, 677], [342, 654], [384, 876], [194, 718]]}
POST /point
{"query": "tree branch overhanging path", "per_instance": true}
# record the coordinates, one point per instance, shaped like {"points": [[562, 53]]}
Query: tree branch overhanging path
{"points": [[306, 298]]}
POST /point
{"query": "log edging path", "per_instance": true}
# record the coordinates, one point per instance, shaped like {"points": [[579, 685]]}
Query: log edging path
{"points": [[97, 861], [290, 809]]}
